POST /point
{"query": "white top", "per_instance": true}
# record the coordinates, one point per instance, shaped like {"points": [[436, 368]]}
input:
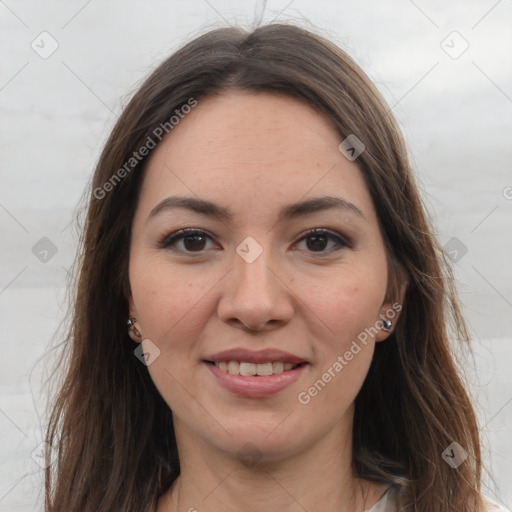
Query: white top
{"points": [[389, 502]]}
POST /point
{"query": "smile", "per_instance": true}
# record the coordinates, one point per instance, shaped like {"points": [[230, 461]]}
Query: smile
{"points": [[244, 379], [251, 369]]}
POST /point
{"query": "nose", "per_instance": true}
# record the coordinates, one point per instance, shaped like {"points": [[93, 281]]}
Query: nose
{"points": [[255, 295]]}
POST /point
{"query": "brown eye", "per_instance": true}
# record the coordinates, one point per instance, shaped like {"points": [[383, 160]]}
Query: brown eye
{"points": [[318, 240], [194, 242], [185, 240]]}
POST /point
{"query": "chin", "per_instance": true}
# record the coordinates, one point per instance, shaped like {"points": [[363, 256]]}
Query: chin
{"points": [[265, 442]]}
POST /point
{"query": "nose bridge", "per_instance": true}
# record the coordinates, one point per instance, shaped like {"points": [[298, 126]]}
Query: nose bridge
{"points": [[252, 270], [254, 295]]}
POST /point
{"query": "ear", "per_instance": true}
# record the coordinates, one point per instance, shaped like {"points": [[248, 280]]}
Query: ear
{"points": [[393, 303], [134, 330]]}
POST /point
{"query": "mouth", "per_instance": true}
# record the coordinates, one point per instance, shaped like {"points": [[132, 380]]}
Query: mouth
{"points": [[247, 369], [255, 380]]}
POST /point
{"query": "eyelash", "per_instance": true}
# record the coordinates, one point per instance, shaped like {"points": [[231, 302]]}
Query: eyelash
{"points": [[169, 240]]}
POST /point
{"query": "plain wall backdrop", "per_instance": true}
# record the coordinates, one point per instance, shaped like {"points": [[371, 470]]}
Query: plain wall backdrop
{"points": [[67, 69]]}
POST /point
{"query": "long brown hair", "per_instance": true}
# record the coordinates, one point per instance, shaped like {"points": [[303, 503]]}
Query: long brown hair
{"points": [[111, 429]]}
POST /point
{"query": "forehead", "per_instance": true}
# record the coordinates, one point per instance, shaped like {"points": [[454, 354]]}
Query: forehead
{"points": [[250, 151]]}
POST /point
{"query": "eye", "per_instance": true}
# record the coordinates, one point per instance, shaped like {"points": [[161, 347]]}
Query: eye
{"points": [[186, 240], [318, 239], [192, 240]]}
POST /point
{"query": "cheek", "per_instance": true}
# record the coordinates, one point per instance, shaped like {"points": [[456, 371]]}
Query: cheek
{"points": [[353, 309], [171, 304], [344, 348], [342, 314], [172, 308], [345, 305]]}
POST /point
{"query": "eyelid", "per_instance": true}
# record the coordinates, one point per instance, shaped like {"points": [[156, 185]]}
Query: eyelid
{"points": [[176, 236], [169, 240], [342, 241]]}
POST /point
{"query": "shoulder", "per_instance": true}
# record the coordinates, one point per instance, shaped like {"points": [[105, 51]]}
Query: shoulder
{"points": [[396, 497], [493, 506]]}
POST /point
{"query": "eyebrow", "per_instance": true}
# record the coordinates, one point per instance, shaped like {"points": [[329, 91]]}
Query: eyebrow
{"points": [[288, 212]]}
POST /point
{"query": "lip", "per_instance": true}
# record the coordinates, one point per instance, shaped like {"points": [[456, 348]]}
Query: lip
{"points": [[255, 356], [256, 387]]}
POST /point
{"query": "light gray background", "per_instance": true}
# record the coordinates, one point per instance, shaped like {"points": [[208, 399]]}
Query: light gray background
{"points": [[455, 110]]}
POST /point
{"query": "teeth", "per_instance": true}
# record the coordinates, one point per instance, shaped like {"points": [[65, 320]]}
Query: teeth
{"points": [[264, 369], [250, 369], [277, 367], [247, 369], [233, 368]]}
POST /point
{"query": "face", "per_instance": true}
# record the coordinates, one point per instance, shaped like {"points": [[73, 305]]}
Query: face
{"points": [[282, 264]]}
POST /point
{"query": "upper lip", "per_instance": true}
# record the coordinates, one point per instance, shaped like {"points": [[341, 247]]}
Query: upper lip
{"points": [[255, 356]]}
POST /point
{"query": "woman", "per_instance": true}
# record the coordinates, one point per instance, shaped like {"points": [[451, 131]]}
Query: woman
{"points": [[263, 314]]}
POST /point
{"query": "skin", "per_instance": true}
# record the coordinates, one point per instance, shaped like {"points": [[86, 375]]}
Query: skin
{"points": [[255, 153]]}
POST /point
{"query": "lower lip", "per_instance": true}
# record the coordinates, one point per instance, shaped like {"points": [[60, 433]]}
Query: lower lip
{"points": [[254, 386]]}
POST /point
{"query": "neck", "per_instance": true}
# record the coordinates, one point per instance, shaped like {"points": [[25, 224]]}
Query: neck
{"points": [[320, 475]]}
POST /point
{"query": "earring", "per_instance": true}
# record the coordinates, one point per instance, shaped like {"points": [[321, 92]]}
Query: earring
{"points": [[386, 324], [131, 326]]}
